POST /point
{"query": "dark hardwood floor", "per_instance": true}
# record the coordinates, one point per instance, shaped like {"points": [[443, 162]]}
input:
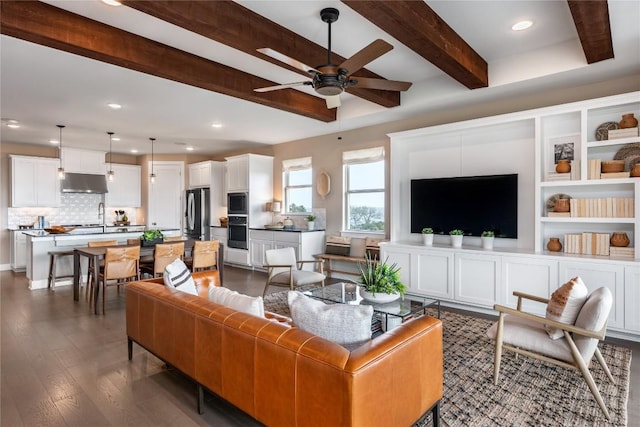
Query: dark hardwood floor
{"points": [[63, 366]]}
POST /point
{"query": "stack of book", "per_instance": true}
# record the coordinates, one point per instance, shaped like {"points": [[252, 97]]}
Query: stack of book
{"points": [[623, 133], [626, 253], [587, 243], [614, 175], [594, 169], [604, 207]]}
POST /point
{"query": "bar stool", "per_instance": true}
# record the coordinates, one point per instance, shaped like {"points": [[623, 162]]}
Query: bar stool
{"points": [[53, 258]]}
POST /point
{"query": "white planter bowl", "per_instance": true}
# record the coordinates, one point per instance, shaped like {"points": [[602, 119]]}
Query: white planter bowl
{"points": [[456, 240], [379, 297], [487, 242], [427, 239]]}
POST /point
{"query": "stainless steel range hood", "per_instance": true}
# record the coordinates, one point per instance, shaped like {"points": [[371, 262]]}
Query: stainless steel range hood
{"points": [[84, 183]]}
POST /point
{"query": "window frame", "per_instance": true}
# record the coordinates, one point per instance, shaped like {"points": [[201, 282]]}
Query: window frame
{"points": [[360, 157], [296, 165]]}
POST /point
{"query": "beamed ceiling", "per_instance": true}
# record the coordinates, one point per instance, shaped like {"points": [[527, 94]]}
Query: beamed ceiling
{"points": [[153, 37]]}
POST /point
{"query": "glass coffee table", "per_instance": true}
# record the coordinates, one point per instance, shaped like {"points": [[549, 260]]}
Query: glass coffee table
{"points": [[385, 316]]}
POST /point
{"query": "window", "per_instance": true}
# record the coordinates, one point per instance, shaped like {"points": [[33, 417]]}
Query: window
{"points": [[364, 180], [297, 178]]}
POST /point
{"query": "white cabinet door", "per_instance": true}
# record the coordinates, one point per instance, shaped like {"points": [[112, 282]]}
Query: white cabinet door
{"points": [[200, 174], [631, 298], [18, 251], [237, 174], [82, 161], [257, 249], [477, 279], [34, 182], [220, 233], [432, 274], [48, 184], [125, 189], [595, 275], [534, 276]]}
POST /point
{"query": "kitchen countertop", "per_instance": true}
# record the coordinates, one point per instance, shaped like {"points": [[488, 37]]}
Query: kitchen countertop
{"points": [[109, 230], [290, 230]]}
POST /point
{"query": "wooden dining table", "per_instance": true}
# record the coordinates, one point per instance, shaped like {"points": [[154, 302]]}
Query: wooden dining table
{"points": [[97, 253]]}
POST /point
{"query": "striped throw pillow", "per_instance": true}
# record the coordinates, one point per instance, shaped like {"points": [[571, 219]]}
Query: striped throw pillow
{"points": [[337, 245], [177, 275]]}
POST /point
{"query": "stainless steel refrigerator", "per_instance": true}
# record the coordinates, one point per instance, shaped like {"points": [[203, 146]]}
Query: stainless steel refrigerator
{"points": [[197, 214]]}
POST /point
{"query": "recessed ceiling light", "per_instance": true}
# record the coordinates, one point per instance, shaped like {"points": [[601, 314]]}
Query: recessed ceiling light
{"points": [[522, 25], [54, 141], [216, 125], [115, 138], [112, 2], [133, 150], [189, 148], [13, 125], [114, 106]]}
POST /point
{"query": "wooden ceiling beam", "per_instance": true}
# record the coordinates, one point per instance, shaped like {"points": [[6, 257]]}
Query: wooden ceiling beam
{"points": [[50, 26], [594, 29], [418, 27], [231, 24]]}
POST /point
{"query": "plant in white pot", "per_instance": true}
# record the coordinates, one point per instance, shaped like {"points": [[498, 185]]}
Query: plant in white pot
{"points": [[311, 221], [427, 236], [380, 282], [487, 238], [456, 238]]}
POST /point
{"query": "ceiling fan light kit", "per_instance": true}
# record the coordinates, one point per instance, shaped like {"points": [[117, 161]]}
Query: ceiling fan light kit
{"points": [[330, 80]]}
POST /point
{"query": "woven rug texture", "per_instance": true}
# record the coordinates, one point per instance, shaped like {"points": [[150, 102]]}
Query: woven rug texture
{"points": [[529, 392]]}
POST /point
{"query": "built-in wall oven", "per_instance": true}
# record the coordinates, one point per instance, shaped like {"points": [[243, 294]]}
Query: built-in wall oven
{"points": [[238, 232], [237, 204]]}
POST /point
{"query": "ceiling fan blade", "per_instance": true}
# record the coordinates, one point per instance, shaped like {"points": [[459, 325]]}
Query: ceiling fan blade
{"points": [[278, 87], [380, 84], [289, 61], [333, 101], [364, 56]]}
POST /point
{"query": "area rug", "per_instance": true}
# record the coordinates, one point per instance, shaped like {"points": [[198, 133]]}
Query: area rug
{"points": [[529, 392]]}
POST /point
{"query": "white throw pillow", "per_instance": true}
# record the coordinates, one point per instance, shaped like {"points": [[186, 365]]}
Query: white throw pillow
{"points": [[343, 324], [237, 301], [565, 304], [176, 275]]}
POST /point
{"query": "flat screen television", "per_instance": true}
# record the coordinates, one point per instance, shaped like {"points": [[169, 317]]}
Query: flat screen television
{"points": [[471, 203]]}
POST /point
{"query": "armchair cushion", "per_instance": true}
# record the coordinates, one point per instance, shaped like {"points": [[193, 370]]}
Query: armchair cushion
{"points": [[593, 316], [177, 275], [565, 304], [237, 301], [300, 277], [344, 324]]}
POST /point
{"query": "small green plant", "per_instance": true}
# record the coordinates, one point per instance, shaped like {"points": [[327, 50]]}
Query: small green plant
{"points": [[456, 232], [427, 230], [310, 217], [149, 235], [380, 277], [488, 233]]}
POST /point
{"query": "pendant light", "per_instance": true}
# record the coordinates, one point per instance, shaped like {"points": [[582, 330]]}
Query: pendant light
{"points": [[110, 174], [60, 168], [152, 176]]}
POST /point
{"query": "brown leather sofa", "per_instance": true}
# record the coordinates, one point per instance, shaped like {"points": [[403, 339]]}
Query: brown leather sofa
{"points": [[281, 375]]}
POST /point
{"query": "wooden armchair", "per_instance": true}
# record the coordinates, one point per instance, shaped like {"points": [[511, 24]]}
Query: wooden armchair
{"points": [[120, 266], [285, 270], [163, 255], [525, 333]]}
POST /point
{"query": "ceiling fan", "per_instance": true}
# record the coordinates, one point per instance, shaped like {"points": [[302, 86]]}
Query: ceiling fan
{"points": [[330, 80]]}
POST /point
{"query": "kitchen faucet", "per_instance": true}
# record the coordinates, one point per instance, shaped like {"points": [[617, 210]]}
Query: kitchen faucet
{"points": [[101, 212]]}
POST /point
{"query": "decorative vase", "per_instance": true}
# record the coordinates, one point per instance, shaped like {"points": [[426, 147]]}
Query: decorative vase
{"points": [[563, 166], [635, 171], [311, 225], [554, 244], [456, 240], [427, 239], [562, 205], [628, 121], [378, 297], [487, 242], [619, 239]]}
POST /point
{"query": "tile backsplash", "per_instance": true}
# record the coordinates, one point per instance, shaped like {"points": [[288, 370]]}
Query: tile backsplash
{"points": [[75, 208]]}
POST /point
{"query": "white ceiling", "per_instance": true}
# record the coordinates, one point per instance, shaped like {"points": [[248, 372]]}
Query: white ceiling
{"points": [[42, 87]]}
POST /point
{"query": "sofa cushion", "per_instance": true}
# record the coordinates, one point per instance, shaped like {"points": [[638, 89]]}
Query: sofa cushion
{"points": [[565, 304], [237, 301], [344, 324], [337, 245], [176, 275]]}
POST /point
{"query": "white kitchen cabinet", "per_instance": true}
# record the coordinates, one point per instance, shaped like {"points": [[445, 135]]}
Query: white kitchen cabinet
{"points": [[305, 245], [220, 233], [77, 160], [534, 276], [631, 299], [252, 174], [125, 189], [238, 174], [200, 174], [596, 275], [18, 250], [34, 182], [477, 278]]}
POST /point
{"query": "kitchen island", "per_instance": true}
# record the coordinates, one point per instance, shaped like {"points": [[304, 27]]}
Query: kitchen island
{"points": [[40, 243]]}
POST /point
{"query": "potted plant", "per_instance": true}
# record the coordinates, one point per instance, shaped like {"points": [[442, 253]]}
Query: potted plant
{"points": [[487, 239], [380, 282], [456, 238], [427, 236], [310, 221], [151, 237]]}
